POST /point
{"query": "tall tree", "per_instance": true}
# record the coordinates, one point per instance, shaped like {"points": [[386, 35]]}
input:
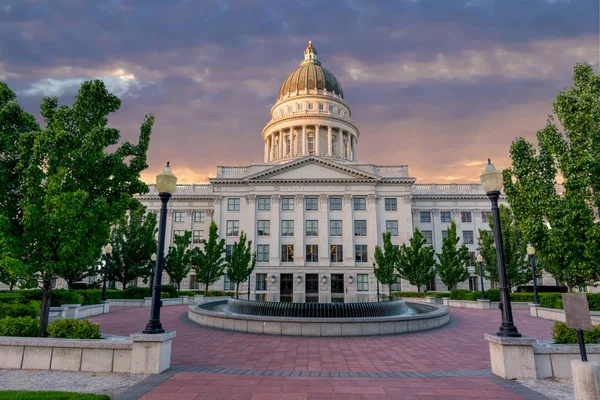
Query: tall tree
{"points": [[133, 241], [386, 260], [209, 263], [562, 226], [74, 187], [451, 265], [416, 262], [241, 263], [179, 257]]}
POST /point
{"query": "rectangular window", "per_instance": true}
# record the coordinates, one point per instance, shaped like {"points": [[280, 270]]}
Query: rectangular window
{"points": [[391, 204], [312, 253], [331, 109], [289, 109], [179, 216], [264, 204], [360, 253], [321, 107], [360, 203], [312, 203], [428, 235], [198, 236], [233, 228], [444, 234], [360, 227], [262, 253], [228, 251], [178, 233], [446, 216], [494, 285], [465, 217], [425, 216], [287, 227], [310, 106], [337, 253], [397, 287], [263, 227], [299, 107], [312, 227], [335, 227], [233, 204], [228, 285], [194, 283], [391, 227], [199, 216], [362, 282], [468, 237], [335, 203], [261, 281], [473, 283], [470, 259], [486, 216], [287, 253], [287, 204]]}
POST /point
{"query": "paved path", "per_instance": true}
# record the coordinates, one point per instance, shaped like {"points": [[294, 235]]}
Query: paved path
{"points": [[443, 364]]}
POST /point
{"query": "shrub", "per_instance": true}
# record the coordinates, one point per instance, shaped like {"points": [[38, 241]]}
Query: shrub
{"points": [[74, 329], [13, 298], [463, 294], [492, 294], [562, 334], [593, 301], [135, 292], [18, 326], [31, 309], [89, 296], [409, 294], [64, 296], [186, 293], [168, 291], [522, 297]]}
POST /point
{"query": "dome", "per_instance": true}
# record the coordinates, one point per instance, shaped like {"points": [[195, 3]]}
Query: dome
{"points": [[310, 75]]}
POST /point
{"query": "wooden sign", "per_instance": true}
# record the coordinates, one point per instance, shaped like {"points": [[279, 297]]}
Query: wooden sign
{"points": [[577, 311]]}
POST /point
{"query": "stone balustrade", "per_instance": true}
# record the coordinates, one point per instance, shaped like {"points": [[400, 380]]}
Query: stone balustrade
{"points": [[433, 188], [183, 189]]}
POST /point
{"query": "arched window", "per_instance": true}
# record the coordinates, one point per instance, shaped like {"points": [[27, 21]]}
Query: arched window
{"points": [[288, 145], [310, 144]]}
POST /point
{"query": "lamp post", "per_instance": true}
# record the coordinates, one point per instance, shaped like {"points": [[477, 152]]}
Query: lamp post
{"points": [[248, 285], [377, 281], [107, 251], [153, 268], [480, 262], [165, 184], [491, 180], [531, 254]]}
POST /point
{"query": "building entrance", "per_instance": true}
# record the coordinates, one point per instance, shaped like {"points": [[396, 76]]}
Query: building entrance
{"points": [[337, 288], [286, 288], [312, 288]]}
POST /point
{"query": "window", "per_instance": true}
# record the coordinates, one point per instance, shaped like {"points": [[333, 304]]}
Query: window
{"points": [[199, 216], [228, 285], [470, 259], [391, 204], [311, 145], [264, 203], [233, 204], [428, 237], [486, 216], [287, 253], [473, 284], [289, 109], [233, 228], [362, 282], [397, 287], [287, 227], [287, 204], [228, 251], [310, 106], [335, 203], [337, 253], [468, 237], [312, 227], [431, 285], [391, 227], [465, 217], [335, 227], [194, 283], [198, 237], [446, 216], [425, 216], [360, 253], [178, 233], [444, 234], [179, 216], [494, 285], [261, 281], [312, 253], [360, 203], [312, 203], [264, 227], [299, 107], [360, 227], [321, 107], [331, 109], [262, 253]]}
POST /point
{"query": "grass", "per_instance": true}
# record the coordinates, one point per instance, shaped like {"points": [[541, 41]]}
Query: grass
{"points": [[35, 395]]}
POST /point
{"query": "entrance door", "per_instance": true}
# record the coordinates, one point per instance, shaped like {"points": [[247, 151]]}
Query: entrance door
{"points": [[312, 288], [337, 288], [286, 288]]}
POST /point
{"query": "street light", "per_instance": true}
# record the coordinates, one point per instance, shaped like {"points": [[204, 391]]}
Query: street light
{"points": [[531, 254], [153, 268], [350, 279], [165, 185], [107, 251], [480, 262], [491, 180]]}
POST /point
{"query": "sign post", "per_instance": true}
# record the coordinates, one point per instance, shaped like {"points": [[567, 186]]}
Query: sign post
{"points": [[577, 314]]}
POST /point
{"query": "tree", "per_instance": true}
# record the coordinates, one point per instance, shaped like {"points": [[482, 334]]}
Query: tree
{"points": [[74, 188], [451, 266], [133, 241], [209, 263], [178, 259], [416, 262], [562, 226], [386, 260], [241, 263]]}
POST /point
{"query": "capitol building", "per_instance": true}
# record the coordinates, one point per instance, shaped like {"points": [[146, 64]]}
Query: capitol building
{"points": [[313, 208]]}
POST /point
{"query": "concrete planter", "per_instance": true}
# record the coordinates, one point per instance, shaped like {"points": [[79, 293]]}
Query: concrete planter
{"points": [[555, 314], [482, 304]]}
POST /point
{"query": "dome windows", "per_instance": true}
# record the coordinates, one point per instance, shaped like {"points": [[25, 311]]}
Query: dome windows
{"points": [[299, 107]]}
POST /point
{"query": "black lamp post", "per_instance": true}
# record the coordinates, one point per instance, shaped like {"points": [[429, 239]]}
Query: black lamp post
{"points": [[377, 280], [107, 251], [491, 180], [152, 269], [165, 184], [248, 286], [480, 262], [531, 254]]}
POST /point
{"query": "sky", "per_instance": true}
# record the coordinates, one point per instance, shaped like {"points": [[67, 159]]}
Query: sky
{"points": [[440, 85]]}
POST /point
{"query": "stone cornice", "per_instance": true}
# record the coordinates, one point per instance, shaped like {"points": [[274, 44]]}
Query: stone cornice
{"points": [[453, 196]]}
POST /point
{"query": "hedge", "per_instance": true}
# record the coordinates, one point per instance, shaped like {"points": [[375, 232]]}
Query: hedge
{"points": [[31, 309], [206, 293], [421, 294], [73, 329], [562, 334], [45, 395], [19, 326]]}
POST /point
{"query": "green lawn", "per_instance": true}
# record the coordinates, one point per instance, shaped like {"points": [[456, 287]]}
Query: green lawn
{"points": [[33, 395]]}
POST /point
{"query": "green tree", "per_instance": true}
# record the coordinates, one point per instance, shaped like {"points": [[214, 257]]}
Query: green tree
{"points": [[179, 258], [209, 263], [133, 241], [386, 260], [241, 263], [416, 263], [562, 226], [76, 184], [451, 265]]}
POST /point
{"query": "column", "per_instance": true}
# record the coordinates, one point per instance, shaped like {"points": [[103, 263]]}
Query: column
{"points": [[340, 138], [292, 147], [266, 157], [349, 145], [280, 147], [299, 231], [317, 141], [372, 225], [329, 141], [324, 231], [248, 218], [348, 231], [355, 148], [272, 149], [275, 235], [303, 145]]}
